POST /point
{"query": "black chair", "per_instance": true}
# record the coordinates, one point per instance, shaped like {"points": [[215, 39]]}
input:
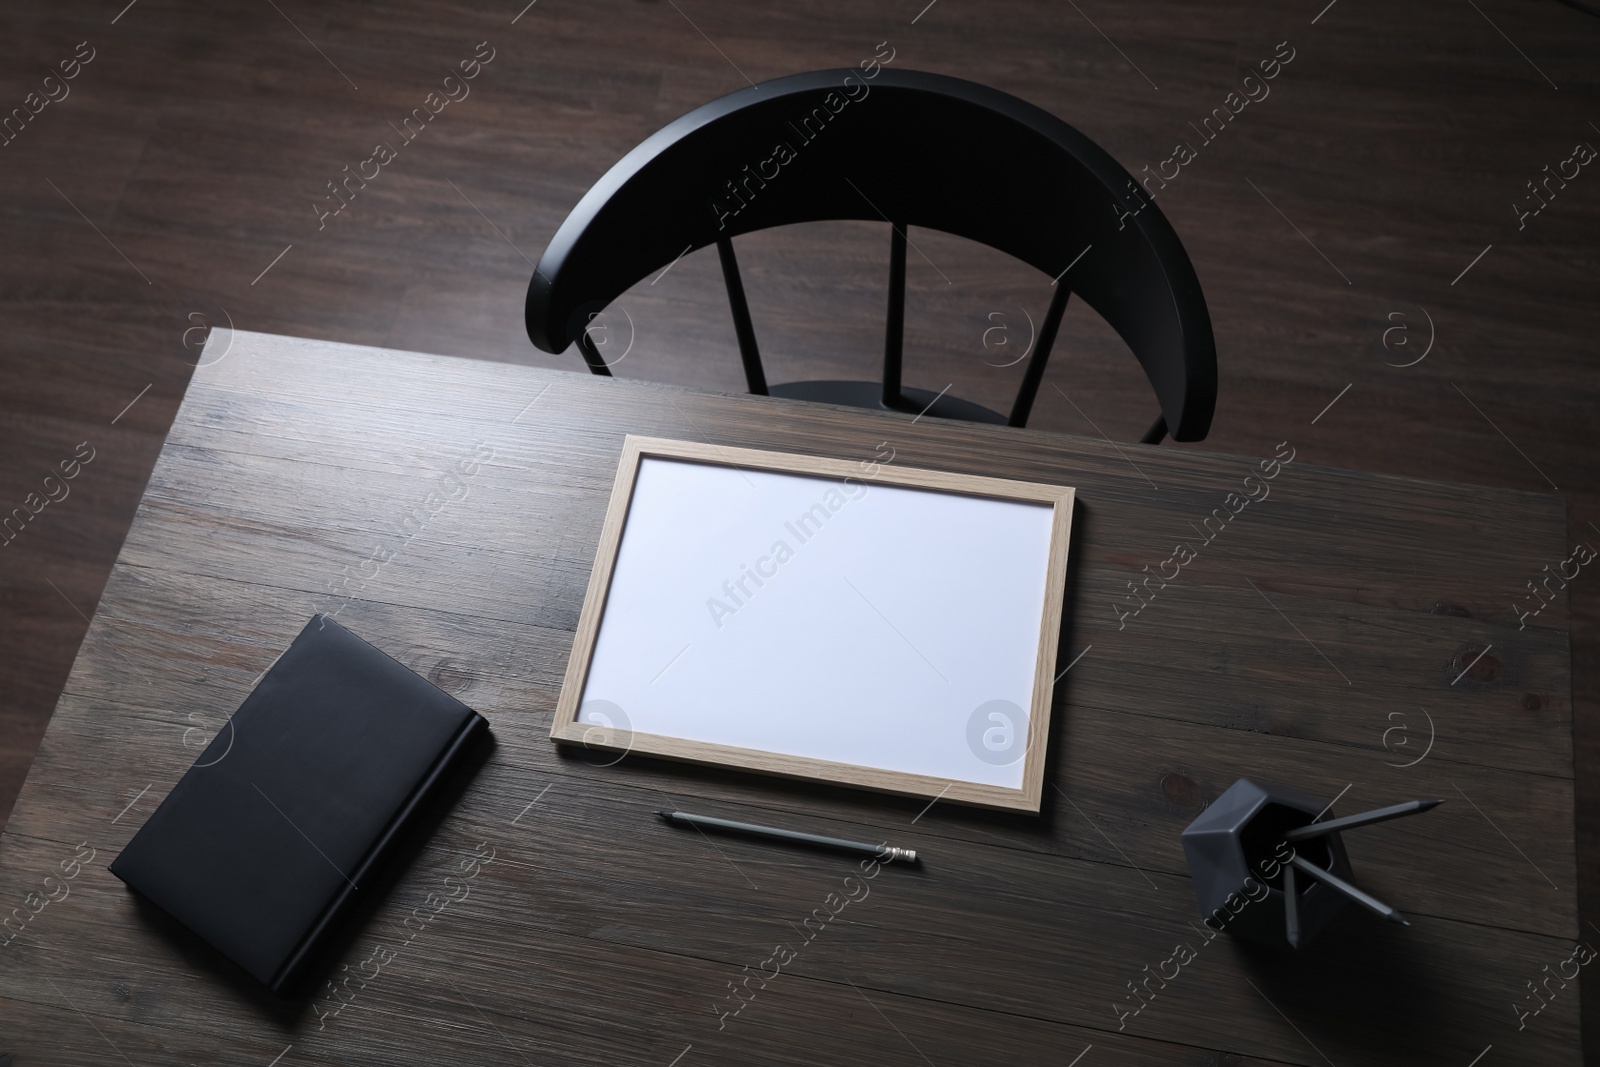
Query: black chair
{"points": [[911, 149]]}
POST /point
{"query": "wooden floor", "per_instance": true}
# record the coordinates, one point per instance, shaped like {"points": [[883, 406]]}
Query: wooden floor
{"points": [[1364, 213]]}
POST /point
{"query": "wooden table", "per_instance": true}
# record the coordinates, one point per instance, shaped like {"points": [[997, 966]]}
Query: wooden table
{"points": [[1326, 625]]}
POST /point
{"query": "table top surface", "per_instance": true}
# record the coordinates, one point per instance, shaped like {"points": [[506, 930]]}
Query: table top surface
{"points": [[1350, 635]]}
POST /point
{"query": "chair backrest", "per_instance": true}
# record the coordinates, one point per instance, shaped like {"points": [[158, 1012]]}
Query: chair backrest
{"points": [[908, 148]]}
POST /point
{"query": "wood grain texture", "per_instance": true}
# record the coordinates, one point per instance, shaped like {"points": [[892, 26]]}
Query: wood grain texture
{"points": [[596, 935], [1396, 141], [566, 728]]}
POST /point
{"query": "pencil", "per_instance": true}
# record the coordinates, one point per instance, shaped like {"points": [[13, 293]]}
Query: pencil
{"points": [[838, 844], [1350, 891], [1365, 818]]}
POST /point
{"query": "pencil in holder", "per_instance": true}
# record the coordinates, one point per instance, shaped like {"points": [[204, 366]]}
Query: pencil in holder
{"points": [[1237, 859]]}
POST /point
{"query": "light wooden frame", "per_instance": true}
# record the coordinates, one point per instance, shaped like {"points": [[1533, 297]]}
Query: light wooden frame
{"points": [[567, 729]]}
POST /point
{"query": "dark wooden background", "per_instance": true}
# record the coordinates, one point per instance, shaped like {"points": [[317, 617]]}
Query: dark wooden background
{"points": [[1396, 142]]}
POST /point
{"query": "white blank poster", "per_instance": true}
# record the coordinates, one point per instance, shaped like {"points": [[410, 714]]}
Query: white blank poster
{"points": [[860, 623]]}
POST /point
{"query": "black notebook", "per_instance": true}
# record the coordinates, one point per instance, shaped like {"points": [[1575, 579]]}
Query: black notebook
{"points": [[266, 841]]}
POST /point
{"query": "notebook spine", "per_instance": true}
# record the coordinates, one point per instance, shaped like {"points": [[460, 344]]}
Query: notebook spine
{"points": [[289, 974]]}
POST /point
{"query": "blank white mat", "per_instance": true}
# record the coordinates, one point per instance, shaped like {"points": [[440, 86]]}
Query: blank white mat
{"points": [[838, 620]]}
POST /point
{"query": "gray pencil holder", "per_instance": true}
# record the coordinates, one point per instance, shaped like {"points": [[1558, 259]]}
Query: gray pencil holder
{"points": [[1236, 854]]}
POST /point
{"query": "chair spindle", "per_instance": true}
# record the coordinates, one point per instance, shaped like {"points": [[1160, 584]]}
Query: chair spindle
{"points": [[749, 354], [591, 354], [894, 328], [1034, 373]]}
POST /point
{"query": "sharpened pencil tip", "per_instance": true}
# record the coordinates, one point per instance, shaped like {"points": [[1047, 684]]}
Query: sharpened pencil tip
{"points": [[665, 815]]}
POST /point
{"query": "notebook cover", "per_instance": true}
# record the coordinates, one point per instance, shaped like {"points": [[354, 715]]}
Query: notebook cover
{"points": [[264, 843]]}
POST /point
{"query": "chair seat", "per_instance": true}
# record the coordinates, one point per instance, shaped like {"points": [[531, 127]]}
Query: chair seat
{"points": [[870, 395]]}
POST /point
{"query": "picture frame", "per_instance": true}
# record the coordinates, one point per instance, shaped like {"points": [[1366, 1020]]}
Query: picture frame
{"points": [[1036, 577]]}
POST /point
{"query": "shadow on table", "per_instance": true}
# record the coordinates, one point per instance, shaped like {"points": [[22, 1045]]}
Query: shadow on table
{"points": [[1360, 977]]}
